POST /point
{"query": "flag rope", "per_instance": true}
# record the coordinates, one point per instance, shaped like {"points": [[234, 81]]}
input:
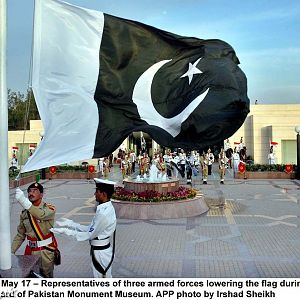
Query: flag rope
{"points": [[29, 95], [27, 107]]}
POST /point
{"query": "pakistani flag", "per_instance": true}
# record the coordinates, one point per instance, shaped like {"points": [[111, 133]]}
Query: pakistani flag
{"points": [[97, 78]]}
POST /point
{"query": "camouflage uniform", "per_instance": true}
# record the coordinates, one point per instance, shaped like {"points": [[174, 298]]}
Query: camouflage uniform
{"points": [[44, 214], [222, 166], [204, 170]]}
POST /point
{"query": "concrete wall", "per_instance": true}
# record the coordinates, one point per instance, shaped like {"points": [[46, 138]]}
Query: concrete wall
{"points": [[275, 122], [33, 136]]}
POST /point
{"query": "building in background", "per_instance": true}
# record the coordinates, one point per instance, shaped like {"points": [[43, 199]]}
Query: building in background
{"points": [[22, 144], [270, 123], [265, 123]]}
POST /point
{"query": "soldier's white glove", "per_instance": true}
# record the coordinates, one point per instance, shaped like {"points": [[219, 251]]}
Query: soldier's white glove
{"points": [[57, 230], [20, 197], [66, 223], [63, 230]]}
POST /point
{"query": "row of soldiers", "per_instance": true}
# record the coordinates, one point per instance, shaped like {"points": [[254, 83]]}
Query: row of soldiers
{"points": [[207, 160], [127, 163], [129, 160], [174, 163], [191, 163], [184, 163]]}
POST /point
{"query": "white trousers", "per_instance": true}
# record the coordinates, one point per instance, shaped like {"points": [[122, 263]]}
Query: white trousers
{"points": [[103, 257]]}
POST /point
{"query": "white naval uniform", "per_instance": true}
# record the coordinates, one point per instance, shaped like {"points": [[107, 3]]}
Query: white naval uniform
{"points": [[102, 226], [236, 161], [101, 166], [175, 160], [271, 159]]}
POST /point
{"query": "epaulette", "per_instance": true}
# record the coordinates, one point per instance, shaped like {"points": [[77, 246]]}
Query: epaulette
{"points": [[51, 206]]}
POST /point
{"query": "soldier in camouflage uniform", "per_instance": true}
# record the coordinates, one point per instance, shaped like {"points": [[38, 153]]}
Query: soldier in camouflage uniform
{"points": [[222, 166], [205, 171], [204, 167], [36, 219]]}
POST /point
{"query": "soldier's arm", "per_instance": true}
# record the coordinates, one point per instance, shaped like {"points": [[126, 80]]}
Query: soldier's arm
{"points": [[100, 224], [20, 236], [46, 212]]}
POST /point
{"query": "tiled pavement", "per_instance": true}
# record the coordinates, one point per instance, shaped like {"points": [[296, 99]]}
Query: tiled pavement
{"points": [[256, 234]]}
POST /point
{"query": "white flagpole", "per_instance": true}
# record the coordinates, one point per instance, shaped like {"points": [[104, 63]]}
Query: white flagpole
{"points": [[5, 240]]}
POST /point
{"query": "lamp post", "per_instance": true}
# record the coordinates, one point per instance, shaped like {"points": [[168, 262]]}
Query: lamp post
{"points": [[297, 129]]}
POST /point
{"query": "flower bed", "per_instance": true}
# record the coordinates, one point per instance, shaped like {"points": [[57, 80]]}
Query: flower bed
{"points": [[260, 171], [154, 196], [265, 175], [267, 168]]}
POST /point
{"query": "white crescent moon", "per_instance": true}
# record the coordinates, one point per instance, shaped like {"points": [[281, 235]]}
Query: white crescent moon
{"points": [[142, 98]]}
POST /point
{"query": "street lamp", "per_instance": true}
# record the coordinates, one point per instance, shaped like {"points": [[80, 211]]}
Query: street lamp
{"points": [[297, 129]]}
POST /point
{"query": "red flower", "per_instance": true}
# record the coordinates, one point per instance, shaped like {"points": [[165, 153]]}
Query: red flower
{"points": [[53, 169], [242, 167], [288, 168], [153, 196], [91, 169]]}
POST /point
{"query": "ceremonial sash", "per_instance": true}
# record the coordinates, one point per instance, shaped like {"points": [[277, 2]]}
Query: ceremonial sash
{"points": [[40, 235]]}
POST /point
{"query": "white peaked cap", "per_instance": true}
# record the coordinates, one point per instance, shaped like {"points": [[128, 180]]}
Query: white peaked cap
{"points": [[104, 181]]}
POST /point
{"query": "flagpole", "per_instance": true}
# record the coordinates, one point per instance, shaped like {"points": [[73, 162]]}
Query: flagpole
{"points": [[5, 239]]}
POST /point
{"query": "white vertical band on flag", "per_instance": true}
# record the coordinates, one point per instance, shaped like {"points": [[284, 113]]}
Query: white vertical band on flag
{"points": [[66, 49]]}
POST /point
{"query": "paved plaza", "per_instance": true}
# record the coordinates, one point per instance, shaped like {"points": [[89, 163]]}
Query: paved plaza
{"points": [[256, 233]]}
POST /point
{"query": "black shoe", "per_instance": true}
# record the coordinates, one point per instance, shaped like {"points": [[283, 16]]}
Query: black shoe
{"points": [[222, 182], [204, 182]]}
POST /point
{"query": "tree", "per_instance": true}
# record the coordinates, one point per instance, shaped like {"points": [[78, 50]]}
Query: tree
{"points": [[21, 109]]}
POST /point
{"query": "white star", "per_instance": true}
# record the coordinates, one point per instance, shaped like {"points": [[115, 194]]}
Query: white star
{"points": [[192, 70]]}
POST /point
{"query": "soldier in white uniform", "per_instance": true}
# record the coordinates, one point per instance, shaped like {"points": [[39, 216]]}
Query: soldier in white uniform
{"points": [[174, 164], [99, 232], [271, 156], [189, 165], [236, 160], [227, 145], [182, 161], [101, 166], [241, 145], [167, 158], [132, 158]]}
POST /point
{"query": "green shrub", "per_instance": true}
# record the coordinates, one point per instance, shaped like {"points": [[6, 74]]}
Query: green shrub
{"points": [[13, 175], [66, 168], [60, 169], [267, 168]]}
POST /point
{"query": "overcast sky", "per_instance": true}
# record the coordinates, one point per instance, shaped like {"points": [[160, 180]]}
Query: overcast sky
{"points": [[264, 33]]}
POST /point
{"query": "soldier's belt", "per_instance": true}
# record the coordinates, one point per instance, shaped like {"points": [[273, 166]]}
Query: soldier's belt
{"points": [[100, 247], [38, 244], [100, 243]]}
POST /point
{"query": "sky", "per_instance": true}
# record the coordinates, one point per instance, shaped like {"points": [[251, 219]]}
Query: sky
{"points": [[264, 34]]}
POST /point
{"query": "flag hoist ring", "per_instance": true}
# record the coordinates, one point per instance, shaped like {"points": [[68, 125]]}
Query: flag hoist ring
{"points": [[52, 169], [288, 168], [242, 167]]}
